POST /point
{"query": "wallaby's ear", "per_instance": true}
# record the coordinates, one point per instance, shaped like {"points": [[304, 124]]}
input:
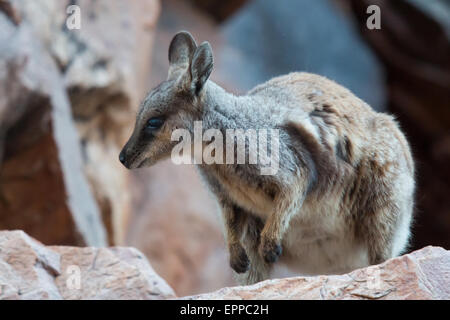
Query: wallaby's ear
{"points": [[201, 67], [181, 52]]}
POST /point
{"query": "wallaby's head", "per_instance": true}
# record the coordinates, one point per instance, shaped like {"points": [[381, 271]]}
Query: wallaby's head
{"points": [[175, 103]]}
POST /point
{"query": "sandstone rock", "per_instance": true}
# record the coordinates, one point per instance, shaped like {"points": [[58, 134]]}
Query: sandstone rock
{"points": [[42, 186], [423, 274], [105, 65], [29, 270], [106, 83]]}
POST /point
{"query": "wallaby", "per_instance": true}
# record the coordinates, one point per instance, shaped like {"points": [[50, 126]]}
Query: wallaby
{"points": [[342, 197]]}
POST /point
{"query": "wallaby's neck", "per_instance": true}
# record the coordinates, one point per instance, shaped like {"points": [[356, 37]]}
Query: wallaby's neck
{"points": [[221, 108]]}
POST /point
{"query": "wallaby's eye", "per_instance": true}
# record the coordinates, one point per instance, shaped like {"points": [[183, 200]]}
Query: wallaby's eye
{"points": [[154, 123]]}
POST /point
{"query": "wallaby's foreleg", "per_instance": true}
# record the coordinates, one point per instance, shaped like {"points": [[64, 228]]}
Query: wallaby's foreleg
{"points": [[287, 205], [235, 221]]}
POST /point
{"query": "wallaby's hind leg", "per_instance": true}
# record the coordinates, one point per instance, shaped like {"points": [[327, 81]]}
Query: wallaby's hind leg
{"points": [[259, 270], [378, 230]]}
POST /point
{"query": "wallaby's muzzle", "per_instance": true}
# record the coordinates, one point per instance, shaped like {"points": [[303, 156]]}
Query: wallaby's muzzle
{"points": [[131, 155], [128, 155]]}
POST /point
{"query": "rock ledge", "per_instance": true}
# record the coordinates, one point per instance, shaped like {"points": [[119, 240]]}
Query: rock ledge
{"points": [[30, 270], [422, 274]]}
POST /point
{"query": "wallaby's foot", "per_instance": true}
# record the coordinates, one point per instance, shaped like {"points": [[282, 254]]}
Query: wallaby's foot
{"points": [[238, 259], [270, 250]]}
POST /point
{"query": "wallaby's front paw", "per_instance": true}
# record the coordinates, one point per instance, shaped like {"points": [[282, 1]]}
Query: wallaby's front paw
{"points": [[238, 259], [270, 250]]}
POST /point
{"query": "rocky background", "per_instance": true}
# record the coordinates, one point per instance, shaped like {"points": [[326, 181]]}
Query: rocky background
{"points": [[68, 100]]}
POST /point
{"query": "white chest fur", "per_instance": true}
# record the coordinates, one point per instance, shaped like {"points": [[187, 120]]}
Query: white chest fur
{"points": [[319, 241]]}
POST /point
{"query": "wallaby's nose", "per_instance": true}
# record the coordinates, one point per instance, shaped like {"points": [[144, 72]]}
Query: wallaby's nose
{"points": [[122, 158]]}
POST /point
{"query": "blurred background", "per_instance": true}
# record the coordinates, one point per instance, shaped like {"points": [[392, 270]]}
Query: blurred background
{"points": [[68, 100]]}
